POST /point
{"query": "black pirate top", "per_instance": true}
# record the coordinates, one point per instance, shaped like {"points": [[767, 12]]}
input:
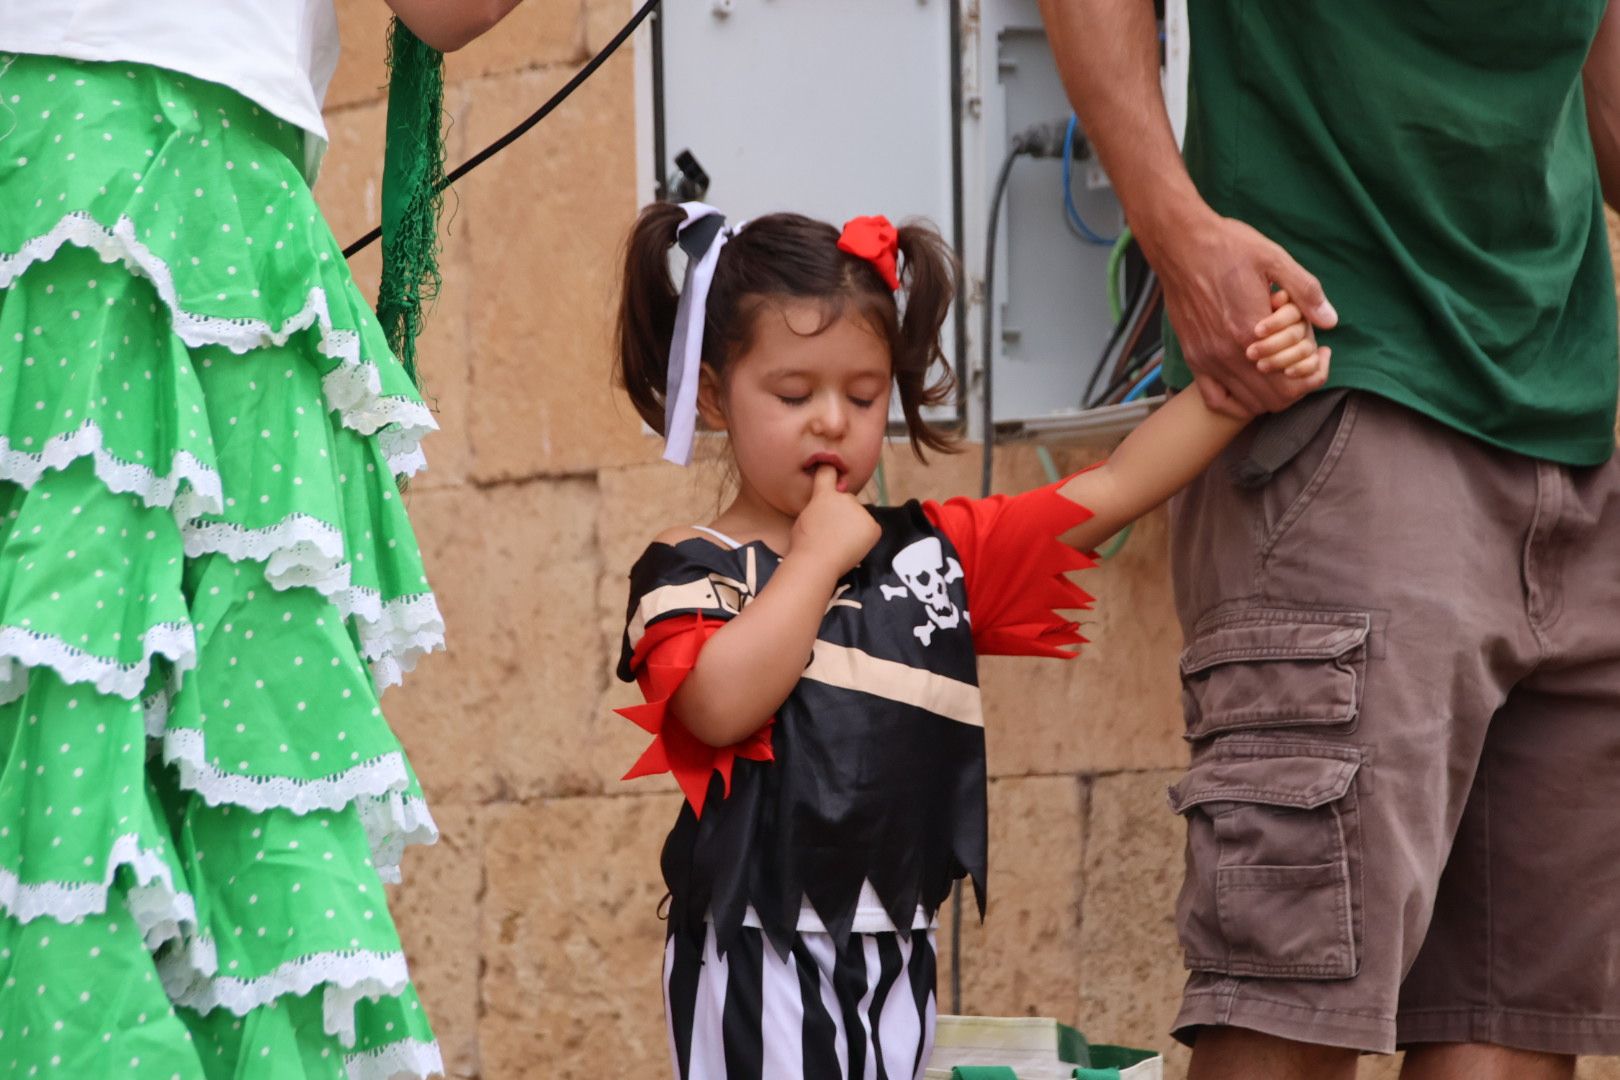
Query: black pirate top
{"points": [[870, 779]]}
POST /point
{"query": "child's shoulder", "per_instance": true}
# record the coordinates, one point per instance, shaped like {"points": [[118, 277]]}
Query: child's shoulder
{"points": [[677, 534], [674, 552]]}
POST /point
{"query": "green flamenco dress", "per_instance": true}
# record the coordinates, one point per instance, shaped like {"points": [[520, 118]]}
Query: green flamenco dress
{"points": [[207, 578]]}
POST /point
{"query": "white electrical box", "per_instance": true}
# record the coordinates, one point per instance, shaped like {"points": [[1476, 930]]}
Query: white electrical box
{"points": [[831, 108], [835, 108]]}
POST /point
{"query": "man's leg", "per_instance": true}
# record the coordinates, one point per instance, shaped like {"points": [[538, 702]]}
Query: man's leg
{"points": [[1524, 948], [1240, 1054], [1348, 640], [1477, 1061]]}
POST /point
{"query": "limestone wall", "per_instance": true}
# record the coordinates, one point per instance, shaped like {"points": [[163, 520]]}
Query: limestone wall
{"points": [[531, 926]]}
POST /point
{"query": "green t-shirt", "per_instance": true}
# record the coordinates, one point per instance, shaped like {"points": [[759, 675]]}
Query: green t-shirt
{"points": [[1429, 161]]}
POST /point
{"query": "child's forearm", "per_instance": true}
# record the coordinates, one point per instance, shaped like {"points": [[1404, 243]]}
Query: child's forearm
{"points": [[1156, 460], [748, 668]]}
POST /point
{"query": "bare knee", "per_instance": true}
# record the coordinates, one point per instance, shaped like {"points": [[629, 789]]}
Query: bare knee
{"points": [[1228, 1053]]}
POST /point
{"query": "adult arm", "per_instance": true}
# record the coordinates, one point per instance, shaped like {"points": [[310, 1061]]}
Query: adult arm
{"points": [[1216, 271], [447, 25], [1602, 82]]}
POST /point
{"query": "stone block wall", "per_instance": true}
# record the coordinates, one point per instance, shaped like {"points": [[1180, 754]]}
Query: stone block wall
{"points": [[532, 926]]}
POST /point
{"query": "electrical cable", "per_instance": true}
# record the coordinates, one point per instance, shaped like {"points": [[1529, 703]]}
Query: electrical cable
{"points": [[1077, 222], [959, 310], [1139, 343], [1126, 379], [1124, 369], [1019, 147], [533, 118], [1111, 547], [1140, 388], [1048, 466], [1023, 144], [655, 35], [1110, 349], [1102, 361], [1115, 287]]}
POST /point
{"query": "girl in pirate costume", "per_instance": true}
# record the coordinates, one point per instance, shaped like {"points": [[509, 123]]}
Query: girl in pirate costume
{"points": [[206, 573], [809, 663]]}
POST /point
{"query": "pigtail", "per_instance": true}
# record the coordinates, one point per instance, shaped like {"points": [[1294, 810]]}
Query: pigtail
{"points": [[647, 311], [929, 279]]}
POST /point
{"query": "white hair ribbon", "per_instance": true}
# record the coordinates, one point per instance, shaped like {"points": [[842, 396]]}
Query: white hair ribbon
{"points": [[701, 236]]}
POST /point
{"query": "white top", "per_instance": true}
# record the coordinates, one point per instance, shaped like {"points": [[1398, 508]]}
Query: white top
{"points": [[280, 54]]}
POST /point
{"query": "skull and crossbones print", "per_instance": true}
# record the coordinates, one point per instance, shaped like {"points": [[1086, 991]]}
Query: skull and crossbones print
{"points": [[926, 571]]}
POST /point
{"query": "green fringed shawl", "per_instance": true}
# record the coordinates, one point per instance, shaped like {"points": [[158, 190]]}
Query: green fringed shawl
{"points": [[413, 170]]}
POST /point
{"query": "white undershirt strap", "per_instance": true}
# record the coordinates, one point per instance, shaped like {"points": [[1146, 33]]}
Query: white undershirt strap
{"points": [[718, 535]]}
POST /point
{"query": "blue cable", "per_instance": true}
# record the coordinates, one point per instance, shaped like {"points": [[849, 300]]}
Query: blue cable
{"points": [[1080, 226], [1147, 380]]}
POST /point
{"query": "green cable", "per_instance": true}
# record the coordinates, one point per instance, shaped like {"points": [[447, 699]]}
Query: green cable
{"points": [[1116, 306], [1045, 456], [1115, 542]]}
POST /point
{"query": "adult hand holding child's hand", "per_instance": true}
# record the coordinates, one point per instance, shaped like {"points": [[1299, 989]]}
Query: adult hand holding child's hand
{"points": [[1217, 276]]}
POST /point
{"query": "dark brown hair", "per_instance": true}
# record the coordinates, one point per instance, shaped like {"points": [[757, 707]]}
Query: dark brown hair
{"points": [[787, 256]]}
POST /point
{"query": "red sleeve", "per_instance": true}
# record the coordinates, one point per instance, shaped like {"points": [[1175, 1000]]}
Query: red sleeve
{"points": [[1016, 569], [662, 660]]}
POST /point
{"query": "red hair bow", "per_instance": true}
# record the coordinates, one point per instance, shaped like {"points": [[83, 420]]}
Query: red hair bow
{"points": [[875, 240]]}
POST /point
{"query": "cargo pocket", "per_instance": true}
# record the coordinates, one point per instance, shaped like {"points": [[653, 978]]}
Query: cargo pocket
{"points": [[1273, 860], [1274, 667]]}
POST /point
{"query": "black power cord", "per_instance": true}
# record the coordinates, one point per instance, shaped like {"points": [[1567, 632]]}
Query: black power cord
{"points": [[1041, 140], [533, 118], [987, 329]]}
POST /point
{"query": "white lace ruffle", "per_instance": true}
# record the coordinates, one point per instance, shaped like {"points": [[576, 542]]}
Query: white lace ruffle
{"points": [[201, 494], [155, 713], [403, 1060], [160, 910], [407, 462], [21, 649], [393, 823], [353, 389], [301, 551], [395, 635], [347, 976], [185, 748], [298, 550], [162, 914], [392, 820], [188, 963]]}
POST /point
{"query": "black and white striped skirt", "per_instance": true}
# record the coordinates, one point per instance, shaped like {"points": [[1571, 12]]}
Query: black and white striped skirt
{"points": [[864, 1012]]}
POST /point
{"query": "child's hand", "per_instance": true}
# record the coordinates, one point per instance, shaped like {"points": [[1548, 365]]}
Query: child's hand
{"points": [[1285, 342], [834, 526]]}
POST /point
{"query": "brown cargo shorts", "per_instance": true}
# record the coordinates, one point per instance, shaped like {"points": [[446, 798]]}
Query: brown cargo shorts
{"points": [[1402, 692]]}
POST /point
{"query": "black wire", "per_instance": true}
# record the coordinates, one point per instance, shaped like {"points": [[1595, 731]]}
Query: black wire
{"points": [[660, 167], [1126, 380], [1141, 308], [534, 118], [1125, 320], [959, 323], [1018, 148]]}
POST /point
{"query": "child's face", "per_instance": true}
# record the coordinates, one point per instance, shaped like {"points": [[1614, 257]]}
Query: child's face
{"points": [[797, 399]]}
